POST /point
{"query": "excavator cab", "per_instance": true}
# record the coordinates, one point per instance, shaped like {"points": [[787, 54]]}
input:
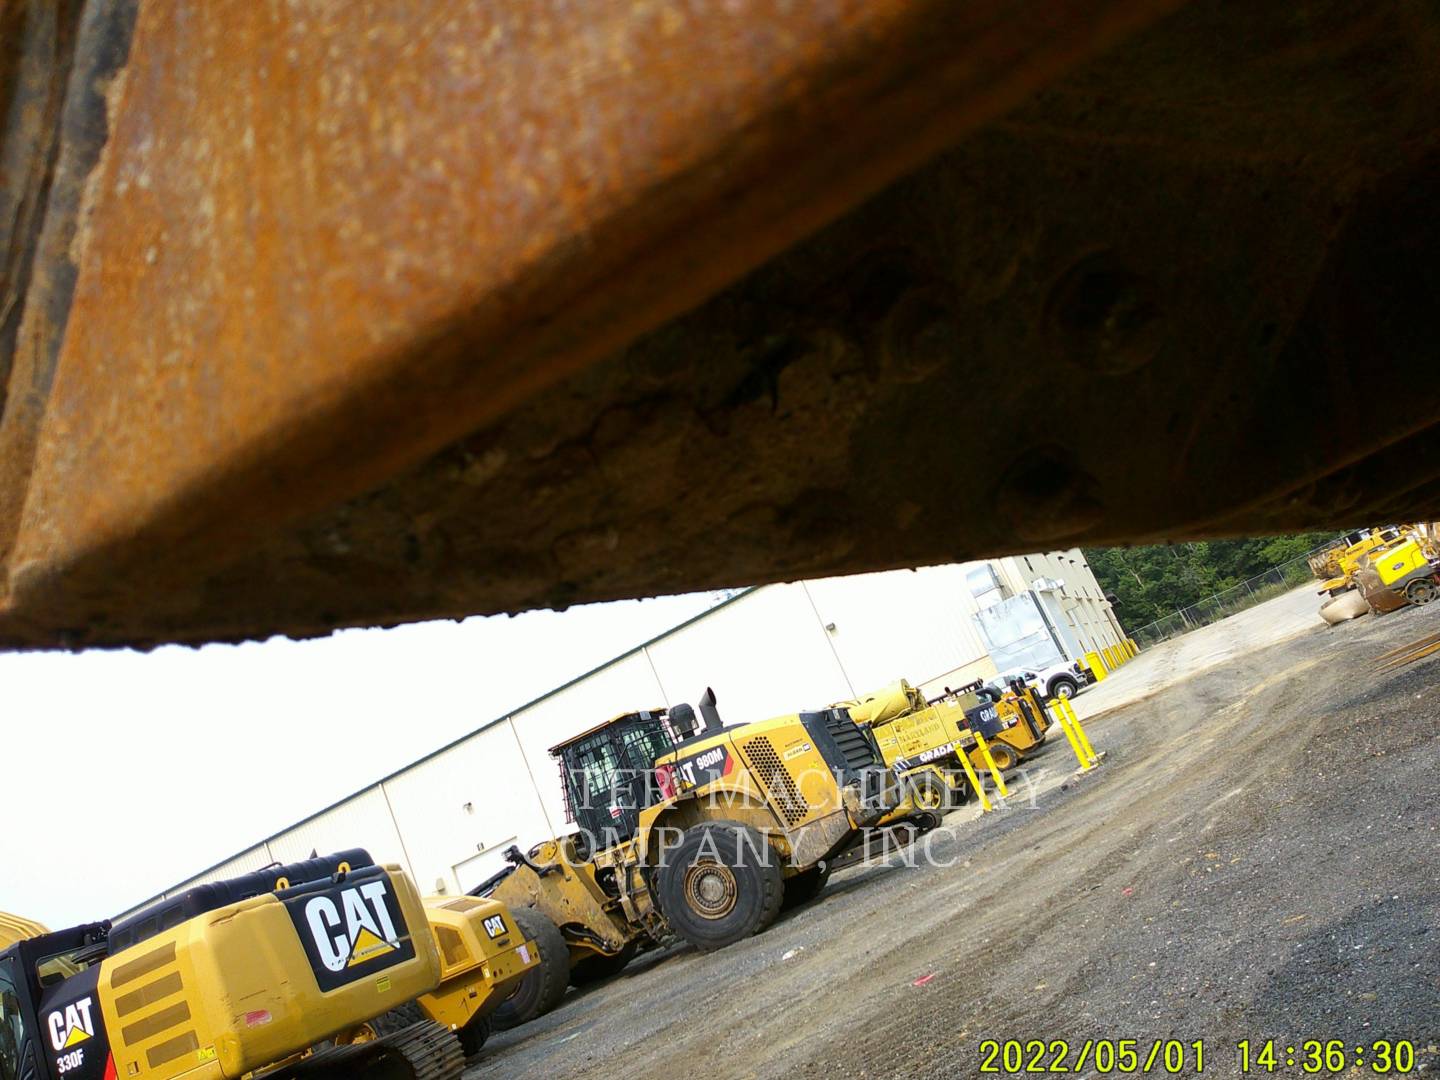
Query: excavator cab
{"points": [[15, 1026]]}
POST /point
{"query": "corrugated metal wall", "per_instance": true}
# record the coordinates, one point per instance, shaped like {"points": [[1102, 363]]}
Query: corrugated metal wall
{"points": [[773, 650]]}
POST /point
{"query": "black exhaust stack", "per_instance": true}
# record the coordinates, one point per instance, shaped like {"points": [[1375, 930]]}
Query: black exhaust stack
{"points": [[708, 711]]}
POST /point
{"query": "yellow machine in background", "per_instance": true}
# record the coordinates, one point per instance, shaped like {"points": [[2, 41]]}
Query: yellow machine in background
{"points": [[1335, 567], [1390, 567], [922, 740], [14, 928], [250, 974], [699, 833], [1404, 571], [484, 955]]}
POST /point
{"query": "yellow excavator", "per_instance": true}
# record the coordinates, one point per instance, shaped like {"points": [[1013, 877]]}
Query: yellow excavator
{"points": [[312, 969], [698, 832]]}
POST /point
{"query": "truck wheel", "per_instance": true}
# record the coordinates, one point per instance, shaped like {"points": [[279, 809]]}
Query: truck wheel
{"points": [[803, 887], [597, 967], [543, 986], [722, 884], [1005, 756], [474, 1034], [1421, 591], [1064, 687], [928, 792]]}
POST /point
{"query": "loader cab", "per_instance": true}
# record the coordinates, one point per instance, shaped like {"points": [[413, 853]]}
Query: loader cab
{"points": [[608, 775]]}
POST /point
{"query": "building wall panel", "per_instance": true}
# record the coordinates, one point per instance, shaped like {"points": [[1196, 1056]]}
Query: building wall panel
{"points": [[764, 655], [360, 821], [911, 624], [627, 685], [474, 798]]}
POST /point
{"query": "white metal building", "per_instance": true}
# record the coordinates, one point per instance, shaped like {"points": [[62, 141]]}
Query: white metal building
{"points": [[767, 651]]}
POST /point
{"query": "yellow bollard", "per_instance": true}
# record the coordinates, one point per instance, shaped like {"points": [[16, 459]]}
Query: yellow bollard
{"points": [[1134, 649], [1079, 751], [1096, 666], [974, 779], [1080, 734], [995, 772]]}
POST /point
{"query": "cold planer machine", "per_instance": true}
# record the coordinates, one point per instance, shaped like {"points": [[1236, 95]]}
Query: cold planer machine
{"points": [[243, 976]]}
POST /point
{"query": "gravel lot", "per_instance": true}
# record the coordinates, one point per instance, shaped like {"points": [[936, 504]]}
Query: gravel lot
{"points": [[1256, 859]]}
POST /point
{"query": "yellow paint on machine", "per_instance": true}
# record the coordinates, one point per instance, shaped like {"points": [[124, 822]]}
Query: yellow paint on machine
{"points": [[228, 1007]]}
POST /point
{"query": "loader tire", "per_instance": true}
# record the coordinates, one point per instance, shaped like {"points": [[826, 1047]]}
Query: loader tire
{"points": [[722, 883], [805, 886], [376, 1028], [473, 1035], [543, 986], [1420, 592], [595, 968], [399, 1018]]}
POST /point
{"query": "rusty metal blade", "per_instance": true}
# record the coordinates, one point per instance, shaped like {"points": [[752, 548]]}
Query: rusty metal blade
{"points": [[325, 240]]}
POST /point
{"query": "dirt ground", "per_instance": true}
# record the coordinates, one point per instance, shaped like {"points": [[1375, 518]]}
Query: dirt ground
{"points": [[1256, 859]]}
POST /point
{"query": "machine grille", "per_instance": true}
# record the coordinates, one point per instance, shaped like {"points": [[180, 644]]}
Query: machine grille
{"points": [[855, 743], [776, 780]]}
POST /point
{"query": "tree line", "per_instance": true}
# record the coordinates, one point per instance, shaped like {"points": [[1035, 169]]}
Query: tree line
{"points": [[1150, 583]]}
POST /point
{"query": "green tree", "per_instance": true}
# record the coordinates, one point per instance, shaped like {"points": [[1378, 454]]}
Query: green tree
{"points": [[1152, 582]]}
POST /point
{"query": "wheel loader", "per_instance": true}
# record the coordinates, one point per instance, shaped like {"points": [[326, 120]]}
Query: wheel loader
{"points": [[280, 974], [922, 739], [699, 833]]}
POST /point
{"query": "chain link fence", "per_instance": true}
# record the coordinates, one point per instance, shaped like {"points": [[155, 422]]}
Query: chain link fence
{"points": [[1273, 582]]}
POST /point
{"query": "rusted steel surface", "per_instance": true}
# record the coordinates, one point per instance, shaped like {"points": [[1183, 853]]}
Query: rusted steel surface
{"points": [[326, 239], [331, 357]]}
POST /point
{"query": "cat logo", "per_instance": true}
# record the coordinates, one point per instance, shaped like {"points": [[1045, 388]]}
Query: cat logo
{"points": [[495, 926], [72, 1025], [353, 931]]}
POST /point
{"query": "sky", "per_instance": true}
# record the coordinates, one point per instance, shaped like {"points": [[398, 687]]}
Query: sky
{"points": [[127, 772]]}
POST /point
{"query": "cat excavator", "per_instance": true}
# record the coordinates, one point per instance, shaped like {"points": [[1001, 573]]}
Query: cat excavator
{"points": [[326, 969]]}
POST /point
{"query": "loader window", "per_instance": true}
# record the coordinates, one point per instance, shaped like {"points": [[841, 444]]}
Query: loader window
{"points": [[12, 1025]]}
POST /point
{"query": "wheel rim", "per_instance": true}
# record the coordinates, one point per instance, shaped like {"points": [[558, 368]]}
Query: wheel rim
{"points": [[1422, 592], [928, 797], [1004, 758], [1064, 690], [710, 889]]}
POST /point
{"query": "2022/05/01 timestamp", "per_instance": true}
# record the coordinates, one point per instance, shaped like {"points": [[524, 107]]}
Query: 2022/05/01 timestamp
{"points": [[1105, 1057], [1314, 1057]]}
